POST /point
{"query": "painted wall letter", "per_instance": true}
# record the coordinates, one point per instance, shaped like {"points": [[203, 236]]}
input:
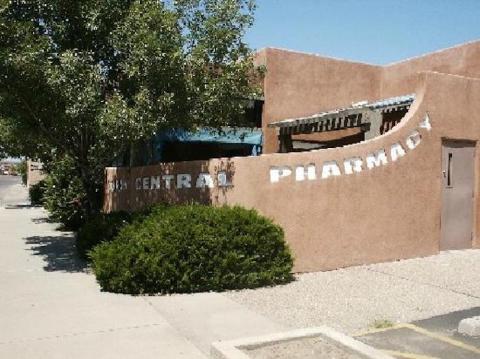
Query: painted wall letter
{"points": [[117, 185], [330, 168], [168, 180], [222, 179], [204, 180], [146, 183], [413, 140], [426, 123], [120, 185], [184, 181], [396, 151], [279, 172], [376, 159], [138, 183], [155, 182], [302, 172], [352, 164]]}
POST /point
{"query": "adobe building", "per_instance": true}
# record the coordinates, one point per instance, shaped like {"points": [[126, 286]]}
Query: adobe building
{"points": [[360, 163]]}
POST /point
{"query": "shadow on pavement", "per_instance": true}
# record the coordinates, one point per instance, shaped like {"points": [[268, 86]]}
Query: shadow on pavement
{"points": [[39, 220], [19, 206], [58, 252]]}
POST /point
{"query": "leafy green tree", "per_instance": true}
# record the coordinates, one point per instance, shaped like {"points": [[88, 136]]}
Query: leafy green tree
{"points": [[87, 78], [63, 195]]}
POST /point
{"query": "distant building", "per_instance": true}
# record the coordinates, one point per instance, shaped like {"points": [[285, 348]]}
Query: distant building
{"points": [[34, 172], [7, 166]]}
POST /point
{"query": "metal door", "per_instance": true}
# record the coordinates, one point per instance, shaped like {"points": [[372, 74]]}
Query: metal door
{"points": [[457, 200]]}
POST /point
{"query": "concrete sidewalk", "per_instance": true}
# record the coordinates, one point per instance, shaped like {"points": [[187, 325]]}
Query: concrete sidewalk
{"points": [[51, 307], [12, 191]]}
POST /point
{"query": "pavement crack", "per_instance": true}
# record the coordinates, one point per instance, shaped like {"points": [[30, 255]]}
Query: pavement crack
{"points": [[77, 334]]}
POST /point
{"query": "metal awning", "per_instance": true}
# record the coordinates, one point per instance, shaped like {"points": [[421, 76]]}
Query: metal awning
{"points": [[392, 103], [355, 116]]}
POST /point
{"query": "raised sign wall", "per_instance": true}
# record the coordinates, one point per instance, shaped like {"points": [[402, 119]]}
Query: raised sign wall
{"points": [[374, 201]]}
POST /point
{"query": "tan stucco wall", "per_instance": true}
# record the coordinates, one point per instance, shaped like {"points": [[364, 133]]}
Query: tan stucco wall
{"points": [[298, 84], [385, 213], [402, 77], [34, 173]]}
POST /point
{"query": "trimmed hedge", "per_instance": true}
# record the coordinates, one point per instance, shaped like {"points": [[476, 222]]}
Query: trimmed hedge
{"points": [[193, 248], [101, 228]]}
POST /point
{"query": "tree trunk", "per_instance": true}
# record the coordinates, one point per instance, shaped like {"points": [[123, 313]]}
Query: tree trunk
{"points": [[94, 194]]}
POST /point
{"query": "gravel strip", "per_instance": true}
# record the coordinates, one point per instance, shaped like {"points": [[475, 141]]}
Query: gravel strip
{"points": [[455, 270], [351, 299]]}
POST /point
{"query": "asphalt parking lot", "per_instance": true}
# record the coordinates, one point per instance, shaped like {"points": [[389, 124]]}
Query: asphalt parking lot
{"points": [[436, 337]]}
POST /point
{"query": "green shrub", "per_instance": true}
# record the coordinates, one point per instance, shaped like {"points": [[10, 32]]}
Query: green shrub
{"points": [[64, 195], [98, 229], [22, 170], [103, 228], [36, 193], [193, 248]]}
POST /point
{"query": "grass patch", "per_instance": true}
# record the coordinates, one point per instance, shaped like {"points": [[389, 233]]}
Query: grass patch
{"points": [[382, 324]]}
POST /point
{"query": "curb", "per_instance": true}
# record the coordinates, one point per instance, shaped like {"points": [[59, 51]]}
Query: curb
{"points": [[232, 349]]}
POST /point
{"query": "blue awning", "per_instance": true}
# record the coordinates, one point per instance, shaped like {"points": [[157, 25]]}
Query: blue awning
{"points": [[225, 135], [250, 136]]}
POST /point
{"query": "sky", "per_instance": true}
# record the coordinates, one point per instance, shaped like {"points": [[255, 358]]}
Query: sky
{"points": [[372, 31]]}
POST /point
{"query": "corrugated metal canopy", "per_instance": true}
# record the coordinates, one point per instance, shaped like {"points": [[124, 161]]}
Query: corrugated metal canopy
{"points": [[345, 117], [398, 101]]}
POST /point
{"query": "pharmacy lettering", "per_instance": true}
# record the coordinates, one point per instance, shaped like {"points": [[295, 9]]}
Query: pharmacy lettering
{"points": [[168, 182], [352, 164]]}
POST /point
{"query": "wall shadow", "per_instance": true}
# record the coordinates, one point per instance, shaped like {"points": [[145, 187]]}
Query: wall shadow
{"points": [[58, 252], [228, 166], [19, 206]]}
